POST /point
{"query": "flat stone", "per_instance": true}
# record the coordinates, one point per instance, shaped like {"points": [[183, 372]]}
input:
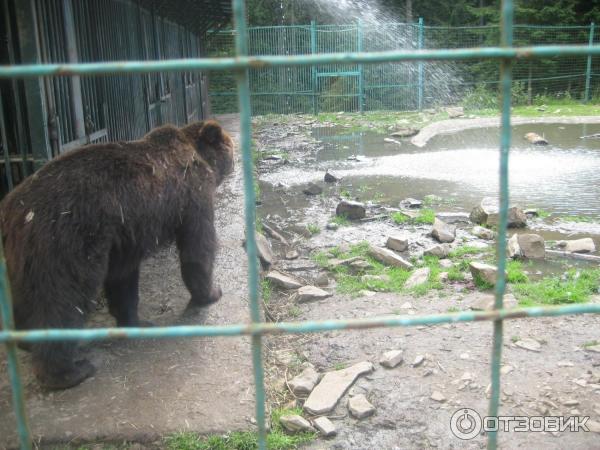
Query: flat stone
{"points": [[391, 359], [312, 189], [411, 203], [505, 370], [333, 386], [443, 277], [565, 364], [438, 250], [488, 213], [292, 254], [417, 278], [406, 305], [325, 426], [419, 359], [322, 279], [585, 245], [310, 293], [265, 253], [438, 396], [283, 281], [360, 407], [484, 271], [397, 242], [389, 257], [295, 423], [483, 233], [304, 383], [443, 232], [529, 344], [445, 263], [571, 402], [453, 217], [351, 210], [526, 246], [360, 265], [392, 141], [405, 132]]}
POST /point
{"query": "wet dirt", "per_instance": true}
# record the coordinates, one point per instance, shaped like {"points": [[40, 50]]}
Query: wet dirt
{"points": [[144, 390]]}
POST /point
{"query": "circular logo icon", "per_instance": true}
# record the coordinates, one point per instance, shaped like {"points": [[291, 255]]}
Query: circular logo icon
{"points": [[465, 423]]}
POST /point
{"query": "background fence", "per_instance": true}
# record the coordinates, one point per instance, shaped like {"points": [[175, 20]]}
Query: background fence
{"points": [[400, 86]]}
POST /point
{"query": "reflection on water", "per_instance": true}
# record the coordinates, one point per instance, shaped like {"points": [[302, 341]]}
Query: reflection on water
{"points": [[563, 177]]}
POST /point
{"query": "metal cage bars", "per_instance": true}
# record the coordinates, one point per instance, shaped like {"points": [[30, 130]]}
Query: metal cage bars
{"points": [[241, 64]]}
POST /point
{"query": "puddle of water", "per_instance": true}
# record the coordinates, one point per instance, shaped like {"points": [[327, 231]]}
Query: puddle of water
{"points": [[563, 177]]}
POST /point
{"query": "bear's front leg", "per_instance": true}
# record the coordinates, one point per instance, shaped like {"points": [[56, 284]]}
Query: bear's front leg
{"points": [[196, 242], [55, 367]]}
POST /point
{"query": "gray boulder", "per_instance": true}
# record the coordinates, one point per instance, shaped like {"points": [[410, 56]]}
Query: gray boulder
{"points": [[483, 233], [312, 189], [585, 245], [352, 210], [443, 232], [488, 213], [526, 246], [438, 250], [397, 242], [417, 278]]}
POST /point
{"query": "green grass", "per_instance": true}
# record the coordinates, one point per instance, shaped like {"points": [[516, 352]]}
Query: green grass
{"points": [[515, 273], [342, 220], [575, 287], [313, 228], [514, 339], [346, 194], [590, 343], [580, 219], [433, 200], [453, 309], [425, 216], [277, 439], [455, 274], [463, 250], [266, 290], [542, 213]]}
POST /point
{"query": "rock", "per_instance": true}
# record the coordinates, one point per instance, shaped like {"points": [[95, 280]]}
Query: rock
{"points": [[417, 278], [295, 423], [404, 132], [443, 277], [360, 265], [536, 139], [360, 407], [505, 370], [332, 226], [571, 402], [440, 251], [310, 293], [526, 246], [325, 426], [391, 359], [531, 212], [453, 217], [330, 178], [322, 279], [485, 272], [443, 232], [485, 302], [529, 344], [419, 359], [438, 396], [585, 245], [304, 383], [487, 213], [292, 254], [312, 189], [392, 141], [265, 253], [565, 364], [411, 203], [397, 242], [389, 257], [332, 387], [445, 263], [352, 210], [282, 280], [456, 111], [483, 233], [366, 278], [406, 305]]}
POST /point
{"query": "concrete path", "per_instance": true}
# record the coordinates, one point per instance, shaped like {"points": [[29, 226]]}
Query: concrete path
{"points": [[144, 390]]}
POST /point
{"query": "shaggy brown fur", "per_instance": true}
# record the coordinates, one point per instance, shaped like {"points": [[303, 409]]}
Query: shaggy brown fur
{"points": [[88, 218]]}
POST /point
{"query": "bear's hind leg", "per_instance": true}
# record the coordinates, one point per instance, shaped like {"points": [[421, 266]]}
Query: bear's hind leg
{"points": [[123, 298]]}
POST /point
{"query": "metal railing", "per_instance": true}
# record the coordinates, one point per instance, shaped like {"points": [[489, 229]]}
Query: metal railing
{"points": [[242, 64]]}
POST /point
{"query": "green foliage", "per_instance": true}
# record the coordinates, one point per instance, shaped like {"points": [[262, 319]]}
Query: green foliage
{"points": [[266, 290], [459, 252], [400, 218], [515, 273], [313, 228], [574, 287], [575, 219], [425, 216], [341, 220]]}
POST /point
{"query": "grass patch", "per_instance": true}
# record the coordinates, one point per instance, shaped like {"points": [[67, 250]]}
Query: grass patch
{"points": [[481, 283], [266, 290], [591, 343], [433, 200], [543, 214], [277, 439], [400, 218], [576, 219], [425, 216], [515, 272], [453, 309], [313, 228], [463, 250], [341, 220], [433, 282], [574, 287], [455, 274]]}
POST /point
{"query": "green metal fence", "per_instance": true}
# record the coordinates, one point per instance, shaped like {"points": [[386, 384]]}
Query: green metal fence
{"points": [[242, 66], [394, 86]]}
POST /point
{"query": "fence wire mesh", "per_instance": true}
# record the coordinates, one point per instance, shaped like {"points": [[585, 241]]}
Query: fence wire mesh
{"points": [[400, 86], [245, 71]]}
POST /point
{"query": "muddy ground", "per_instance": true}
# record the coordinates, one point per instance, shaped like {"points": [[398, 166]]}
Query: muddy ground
{"points": [[145, 390], [561, 379]]}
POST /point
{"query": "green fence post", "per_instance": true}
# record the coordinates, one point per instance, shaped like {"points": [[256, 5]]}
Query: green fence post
{"points": [[8, 323], [420, 70], [313, 50], [588, 72], [361, 88]]}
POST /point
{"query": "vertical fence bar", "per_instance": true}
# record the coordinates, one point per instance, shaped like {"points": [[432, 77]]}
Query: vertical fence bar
{"points": [[313, 68], [5, 152], [6, 315], [506, 40], [421, 31], [241, 46], [588, 72], [361, 87]]}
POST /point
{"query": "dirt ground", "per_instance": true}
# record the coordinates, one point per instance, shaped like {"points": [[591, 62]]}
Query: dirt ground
{"points": [[144, 390]]}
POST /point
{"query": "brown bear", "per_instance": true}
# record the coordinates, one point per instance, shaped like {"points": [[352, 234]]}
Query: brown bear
{"points": [[87, 219]]}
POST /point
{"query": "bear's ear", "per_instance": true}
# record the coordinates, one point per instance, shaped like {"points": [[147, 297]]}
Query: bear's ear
{"points": [[212, 132]]}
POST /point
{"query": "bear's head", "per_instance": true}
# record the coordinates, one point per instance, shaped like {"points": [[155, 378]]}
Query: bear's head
{"points": [[214, 145]]}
